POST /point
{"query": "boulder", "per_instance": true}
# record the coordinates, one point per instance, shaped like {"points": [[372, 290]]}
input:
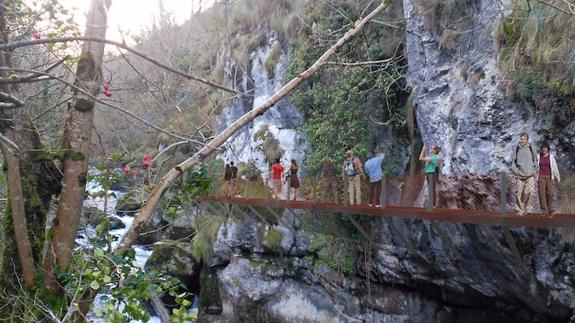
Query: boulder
{"points": [[177, 260]]}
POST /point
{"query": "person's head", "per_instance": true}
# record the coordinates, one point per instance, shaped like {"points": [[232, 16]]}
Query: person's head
{"points": [[328, 160], [349, 154], [435, 149], [231, 163], [379, 153], [293, 163], [277, 160], [523, 138], [227, 167], [369, 155], [545, 149]]}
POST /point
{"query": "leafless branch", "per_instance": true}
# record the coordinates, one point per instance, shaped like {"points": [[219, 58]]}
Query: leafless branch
{"points": [[107, 104], [570, 6], [11, 98], [383, 61], [136, 52]]}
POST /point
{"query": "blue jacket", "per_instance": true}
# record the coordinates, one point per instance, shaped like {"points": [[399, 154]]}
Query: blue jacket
{"points": [[373, 168]]}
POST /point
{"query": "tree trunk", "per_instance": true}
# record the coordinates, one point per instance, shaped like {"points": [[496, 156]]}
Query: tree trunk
{"points": [[147, 210], [32, 180], [76, 145]]}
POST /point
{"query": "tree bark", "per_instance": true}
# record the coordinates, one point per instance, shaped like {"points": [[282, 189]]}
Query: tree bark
{"points": [[147, 210], [76, 144], [17, 208]]}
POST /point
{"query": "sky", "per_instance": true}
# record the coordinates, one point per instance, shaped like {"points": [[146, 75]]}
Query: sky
{"points": [[130, 16]]}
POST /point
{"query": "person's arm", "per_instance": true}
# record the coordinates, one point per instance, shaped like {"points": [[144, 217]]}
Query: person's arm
{"points": [[536, 165], [514, 168], [555, 168], [359, 166], [422, 154]]}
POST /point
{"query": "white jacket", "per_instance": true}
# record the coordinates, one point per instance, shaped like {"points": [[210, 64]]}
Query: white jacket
{"points": [[554, 169]]}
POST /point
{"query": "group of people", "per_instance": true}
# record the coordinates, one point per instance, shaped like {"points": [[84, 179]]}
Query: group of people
{"points": [[527, 166]]}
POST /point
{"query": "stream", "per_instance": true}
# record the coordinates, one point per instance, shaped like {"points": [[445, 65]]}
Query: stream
{"points": [[142, 252]]}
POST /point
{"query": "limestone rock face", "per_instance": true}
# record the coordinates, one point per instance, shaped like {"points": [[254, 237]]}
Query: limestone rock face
{"points": [[419, 271], [461, 102]]}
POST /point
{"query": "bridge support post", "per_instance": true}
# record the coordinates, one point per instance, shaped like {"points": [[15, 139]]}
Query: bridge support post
{"points": [[266, 188], [345, 191], [383, 194], [313, 189], [430, 191], [246, 193], [288, 182], [503, 197]]}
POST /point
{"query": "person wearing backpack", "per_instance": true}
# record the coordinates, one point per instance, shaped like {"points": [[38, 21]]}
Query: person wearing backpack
{"points": [[353, 170], [548, 172], [524, 167]]}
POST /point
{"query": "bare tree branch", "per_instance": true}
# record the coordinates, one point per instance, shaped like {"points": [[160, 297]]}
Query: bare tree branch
{"points": [[571, 8], [121, 45], [147, 210], [379, 62], [11, 98], [87, 93]]}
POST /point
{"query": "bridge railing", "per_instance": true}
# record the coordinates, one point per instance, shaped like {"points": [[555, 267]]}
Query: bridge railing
{"points": [[492, 192]]}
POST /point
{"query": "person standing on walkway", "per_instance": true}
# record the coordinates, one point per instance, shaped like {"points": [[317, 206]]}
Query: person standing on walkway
{"points": [[375, 173], [293, 180], [524, 168], [432, 163], [234, 179], [353, 170], [277, 170], [329, 171], [227, 179], [548, 172]]}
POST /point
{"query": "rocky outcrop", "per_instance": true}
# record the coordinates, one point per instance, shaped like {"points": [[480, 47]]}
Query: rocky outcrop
{"points": [[175, 258], [460, 99], [415, 271]]}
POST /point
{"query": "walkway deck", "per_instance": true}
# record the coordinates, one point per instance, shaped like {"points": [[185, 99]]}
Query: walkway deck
{"points": [[510, 219]]}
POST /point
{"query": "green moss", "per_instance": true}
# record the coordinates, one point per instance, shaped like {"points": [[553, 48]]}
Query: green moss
{"points": [[203, 241], [338, 254], [272, 59], [273, 239], [74, 155], [83, 104]]}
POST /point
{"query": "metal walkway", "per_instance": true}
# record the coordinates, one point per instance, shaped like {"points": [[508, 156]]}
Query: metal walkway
{"points": [[437, 214]]}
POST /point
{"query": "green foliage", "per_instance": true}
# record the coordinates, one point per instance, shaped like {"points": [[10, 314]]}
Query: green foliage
{"points": [[197, 183], [207, 229], [249, 170], [536, 50], [273, 239], [270, 146], [339, 101], [337, 254]]}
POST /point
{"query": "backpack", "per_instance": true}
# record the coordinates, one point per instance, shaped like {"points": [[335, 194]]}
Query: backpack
{"points": [[532, 155], [349, 167]]}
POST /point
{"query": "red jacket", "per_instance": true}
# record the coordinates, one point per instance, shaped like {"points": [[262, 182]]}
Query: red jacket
{"points": [[277, 169]]}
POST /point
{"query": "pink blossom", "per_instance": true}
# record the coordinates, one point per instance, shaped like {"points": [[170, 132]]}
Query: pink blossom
{"points": [[36, 36]]}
